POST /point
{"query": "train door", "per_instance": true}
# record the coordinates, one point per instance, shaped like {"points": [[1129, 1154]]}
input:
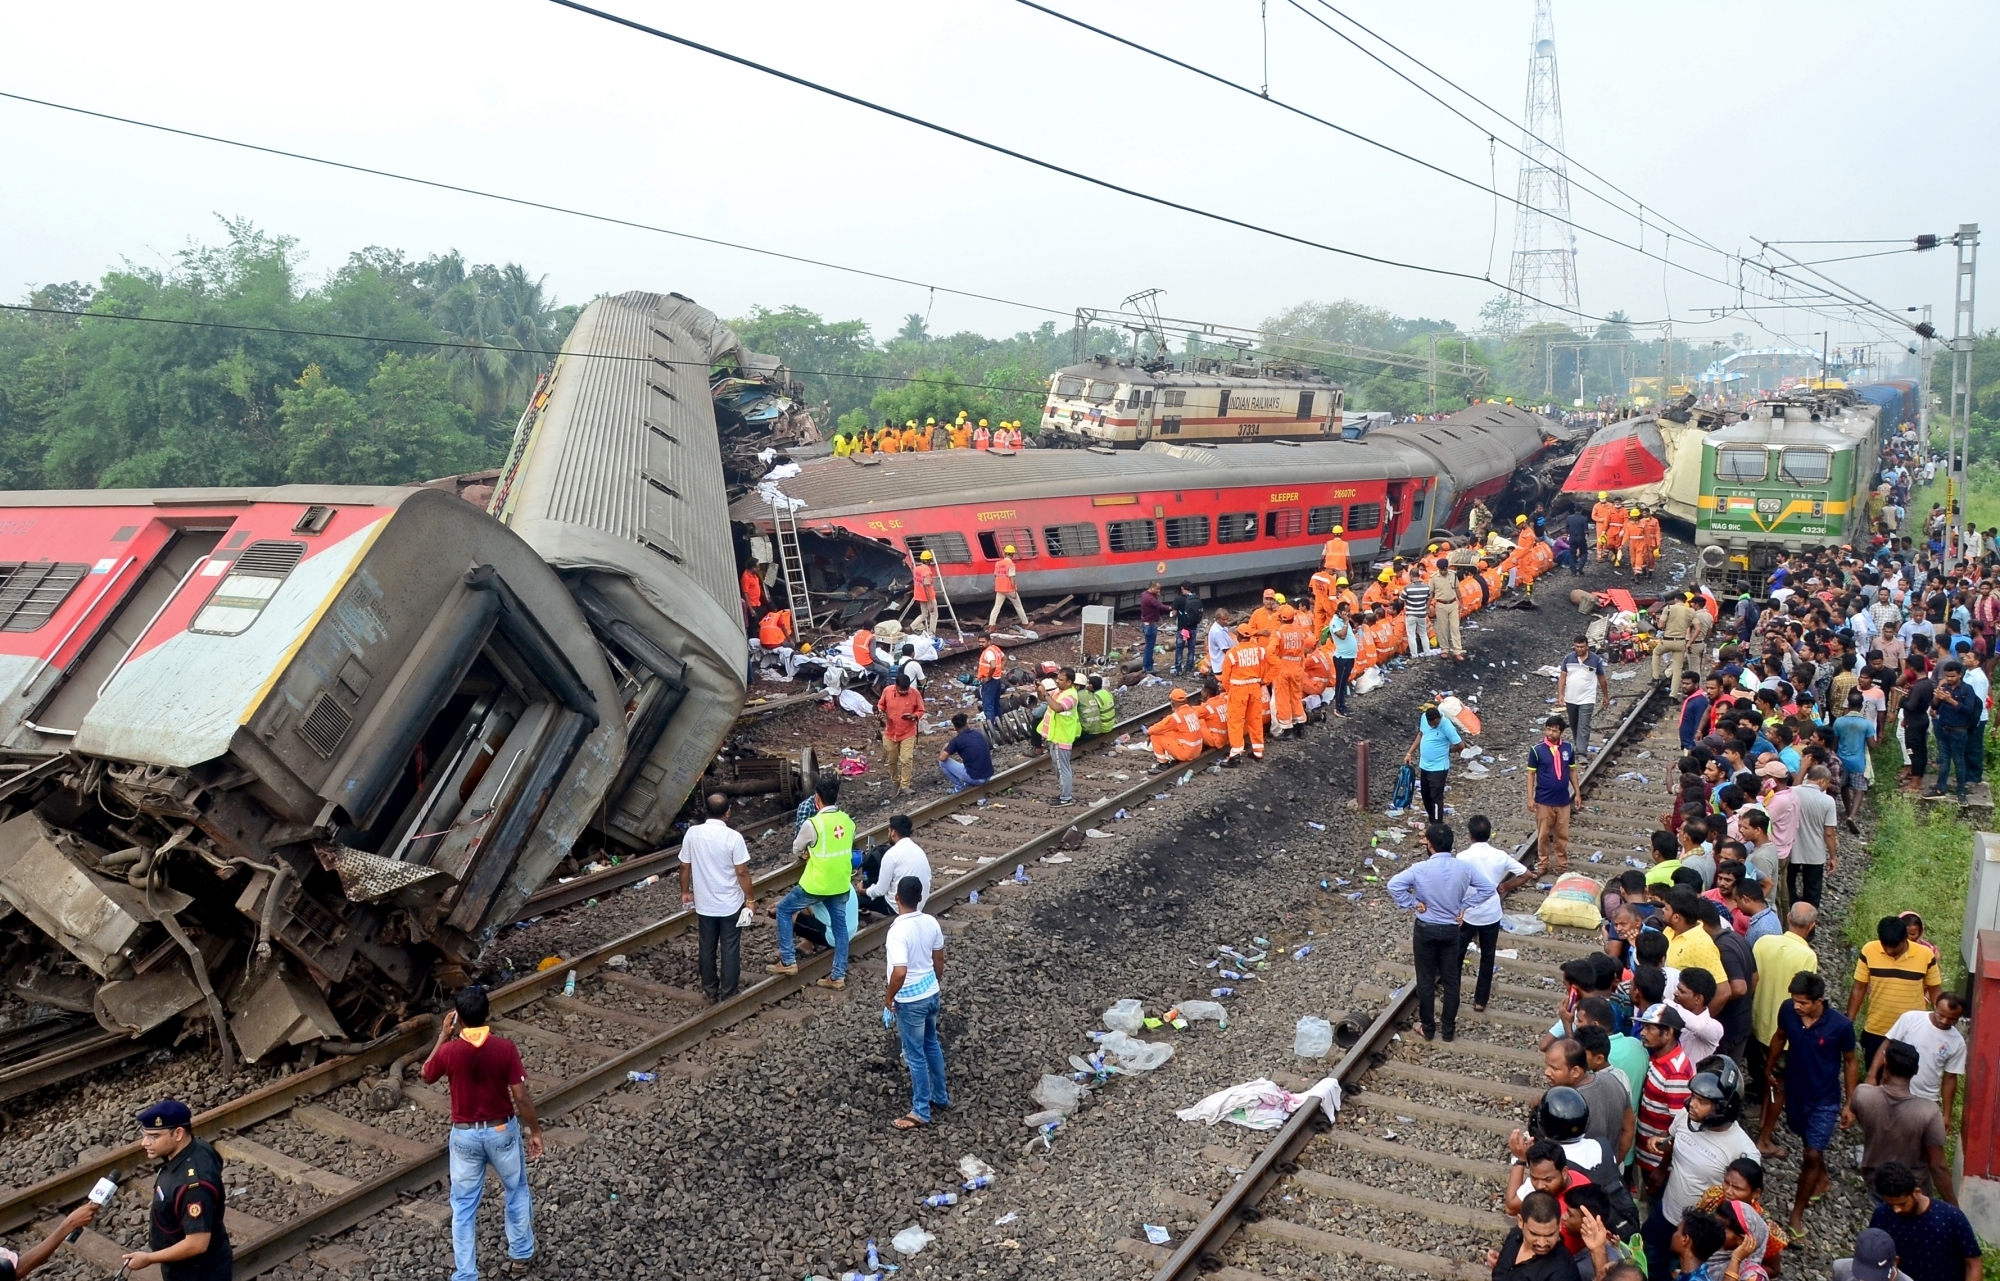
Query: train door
{"points": [[1396, 514], [1142, 413]]}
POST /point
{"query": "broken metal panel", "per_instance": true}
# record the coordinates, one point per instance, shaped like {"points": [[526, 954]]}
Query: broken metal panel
{"points": [[138, 1005], [99, 921], [279, 1009], [370, 878]]}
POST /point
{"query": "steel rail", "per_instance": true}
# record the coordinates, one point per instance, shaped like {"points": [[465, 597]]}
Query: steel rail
{"points": [[26, 1205], [1200, 1251], [377, 1194], [581, 888]]}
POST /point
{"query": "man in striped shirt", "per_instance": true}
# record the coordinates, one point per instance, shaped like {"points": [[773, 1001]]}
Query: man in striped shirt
{"points": [[1417, 609], [1666, 1089]]}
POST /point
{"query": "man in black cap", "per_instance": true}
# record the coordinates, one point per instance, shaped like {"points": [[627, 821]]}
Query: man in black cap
{"points": [[185, 1233]]}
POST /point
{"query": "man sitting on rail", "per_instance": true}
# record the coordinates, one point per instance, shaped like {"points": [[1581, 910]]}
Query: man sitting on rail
{"points": [[1178, 737]]}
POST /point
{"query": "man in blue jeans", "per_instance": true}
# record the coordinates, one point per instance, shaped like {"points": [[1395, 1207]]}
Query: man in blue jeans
{"points": [[1151, 611], [1955, 710], [974, 752], [915, 951], [827, 841], [489, 1107]]}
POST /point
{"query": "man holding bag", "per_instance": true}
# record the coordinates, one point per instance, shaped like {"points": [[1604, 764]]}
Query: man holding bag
{"points": [[1552, 795]]}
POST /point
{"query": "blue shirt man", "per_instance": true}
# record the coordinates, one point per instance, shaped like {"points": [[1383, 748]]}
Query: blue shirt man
{"points": [[1434, 742], [1438, 890]]}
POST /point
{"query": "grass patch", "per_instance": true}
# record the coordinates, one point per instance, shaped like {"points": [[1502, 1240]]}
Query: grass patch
{"points": [[1920, 860]]}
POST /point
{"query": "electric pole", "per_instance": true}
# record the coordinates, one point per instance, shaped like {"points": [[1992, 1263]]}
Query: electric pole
{"points": [[1962, 343], [1924, 385]]}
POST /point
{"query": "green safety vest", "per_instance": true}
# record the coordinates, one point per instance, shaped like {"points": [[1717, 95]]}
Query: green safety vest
{"points": [[830, 857], [1089, 713], [1063, 728], [1107, 711]]}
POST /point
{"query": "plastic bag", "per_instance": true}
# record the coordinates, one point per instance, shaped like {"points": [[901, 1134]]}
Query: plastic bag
{"points": [[1313, 1038], [911, 1239], [1057, 1093], [1127, 1016], [1573, 902], [1522, 923], [1133, 1055], [1194, 1010]]}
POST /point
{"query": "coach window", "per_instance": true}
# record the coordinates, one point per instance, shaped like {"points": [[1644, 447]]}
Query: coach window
{"points": [[994, 542], [1070, 540], [1363, 517], [248, 587], [946, 548], [1132, 535], [1284, 522], [1236, 527], [1806, 466], [1321, 520], [1069, 387], [1170, 425], [1741, 463], [1187, 531]]}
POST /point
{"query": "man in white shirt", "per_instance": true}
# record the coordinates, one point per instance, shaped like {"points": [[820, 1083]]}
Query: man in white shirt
{"points": [[1940, 1048], [1701, 1032], [715, 882], [904, 858], [1481, 921], [1580, 687], [915, 954], [1221, 639]]}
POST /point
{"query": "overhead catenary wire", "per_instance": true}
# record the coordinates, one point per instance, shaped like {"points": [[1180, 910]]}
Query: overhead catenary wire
{"points": [[448, 344], [1492, 187], [1051, 166], [541, 205]]}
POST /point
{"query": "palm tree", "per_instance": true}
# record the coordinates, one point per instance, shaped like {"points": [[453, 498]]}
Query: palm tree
{"points": [[915, 328]]}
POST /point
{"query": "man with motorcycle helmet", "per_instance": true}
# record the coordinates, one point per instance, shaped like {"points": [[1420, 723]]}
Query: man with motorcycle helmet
{"points": [[1556, 1150], [1701, 1142]]}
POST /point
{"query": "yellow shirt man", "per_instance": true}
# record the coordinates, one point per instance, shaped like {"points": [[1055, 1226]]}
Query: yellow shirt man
{"points": [[1695, 948]]}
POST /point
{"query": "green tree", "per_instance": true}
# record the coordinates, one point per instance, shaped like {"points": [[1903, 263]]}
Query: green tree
{"points": [[405, 424]]}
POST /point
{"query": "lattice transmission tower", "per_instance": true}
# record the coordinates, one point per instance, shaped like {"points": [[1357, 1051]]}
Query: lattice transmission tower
{"points": [[1544, 262]]}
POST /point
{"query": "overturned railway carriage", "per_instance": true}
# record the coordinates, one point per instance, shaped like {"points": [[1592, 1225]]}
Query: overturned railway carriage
{"points": [[1105, 520], [284, 759], [1796, 475], [1124, 404]]}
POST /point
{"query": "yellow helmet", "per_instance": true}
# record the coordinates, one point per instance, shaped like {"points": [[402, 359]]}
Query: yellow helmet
{"points": [[1603, 494], [928, 422], [1008, 550], [1633, 512], [1279, 597], [982, 422], [911, 423], [1341, 581], [1386, 576], [925, 555], [961, 415], [1339, 529], [1520, 520]]}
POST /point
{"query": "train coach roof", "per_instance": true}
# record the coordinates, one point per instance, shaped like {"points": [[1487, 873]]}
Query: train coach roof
{"points": [[330, 495], [890, 482], [1484, 439]]}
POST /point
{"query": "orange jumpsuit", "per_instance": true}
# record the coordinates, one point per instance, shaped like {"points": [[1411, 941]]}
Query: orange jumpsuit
{"points": [[1178, 736], [1365, 656], [1242, 675], [753, 589], [1611, 536], [1390, 639], [1318, 671], [1605, 515], [1642, 543], [982, 439], [1378, 595], [1215, 721], [775, 629], [1322, 590], [1288, 676], [1335, 555], [892, 442], [1346, 594], [1263, 620]]}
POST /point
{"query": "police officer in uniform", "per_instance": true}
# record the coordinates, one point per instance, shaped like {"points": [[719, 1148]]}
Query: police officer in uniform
{"points": [[186, 1237]]}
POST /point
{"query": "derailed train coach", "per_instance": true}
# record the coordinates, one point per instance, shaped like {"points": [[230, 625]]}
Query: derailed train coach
{"points": [[285, 760]]}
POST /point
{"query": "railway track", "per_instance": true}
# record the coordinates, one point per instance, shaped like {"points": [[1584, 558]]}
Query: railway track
{"points": [[636, 1007], [1418, 1155]]}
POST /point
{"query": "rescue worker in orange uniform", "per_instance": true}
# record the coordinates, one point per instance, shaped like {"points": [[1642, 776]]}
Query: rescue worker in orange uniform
{"points": [[992, 680], [961, 434], [1518, 563], [1004, 590], [1365, 656], [1242, 676], [1334, 555], [1605, 515], [913, 436], [1179, 736], [1322, 590], [1613, 535], [1342, 592], [981, 438], [923, 590], [753, 593], [1290, 645], [1642, 541], [1390, 639], [775, 629], [1214, 713], [1263, 620], [1380, 592], [1014, 436], [892, 441]]}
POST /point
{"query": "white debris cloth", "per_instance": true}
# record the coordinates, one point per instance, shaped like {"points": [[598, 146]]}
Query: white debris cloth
{"points": [[1261, 1104]]}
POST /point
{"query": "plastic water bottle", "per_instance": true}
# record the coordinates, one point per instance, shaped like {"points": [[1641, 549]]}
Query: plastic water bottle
{"points": [[874, 1259], [974, 898], [1219, 992], [1302, 953], [981, 1183], [641, 1078], [569, 984], [939, 1200], [1020, 874]]}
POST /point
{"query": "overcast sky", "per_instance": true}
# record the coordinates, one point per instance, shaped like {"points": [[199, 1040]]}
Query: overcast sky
{"points": [[1738, 120]]}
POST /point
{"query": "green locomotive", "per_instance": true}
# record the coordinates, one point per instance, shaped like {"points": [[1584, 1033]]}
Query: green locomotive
{"points": [[1794, 474]]}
